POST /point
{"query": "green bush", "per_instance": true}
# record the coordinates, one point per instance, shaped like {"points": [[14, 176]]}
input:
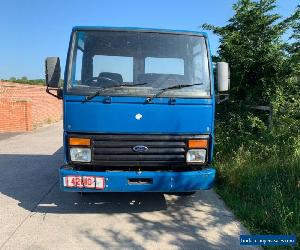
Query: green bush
{"points": [[258, 158], [24, 80], [259, 167]]}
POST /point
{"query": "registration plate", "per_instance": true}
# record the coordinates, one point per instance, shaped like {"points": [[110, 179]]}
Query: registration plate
{"points": [[76, 181]]}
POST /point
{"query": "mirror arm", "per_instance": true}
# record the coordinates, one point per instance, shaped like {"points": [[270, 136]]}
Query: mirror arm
{"points": [[57, 95], [222, 97]]}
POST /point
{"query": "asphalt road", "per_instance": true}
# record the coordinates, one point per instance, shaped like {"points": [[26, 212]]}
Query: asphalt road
{"points": [[34, 214]]}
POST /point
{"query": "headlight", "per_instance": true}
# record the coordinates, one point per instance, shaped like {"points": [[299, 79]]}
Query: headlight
{"points": [[80, 154], [196, 156]]}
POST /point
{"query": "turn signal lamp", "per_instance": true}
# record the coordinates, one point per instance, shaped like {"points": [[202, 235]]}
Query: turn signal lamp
{"points": [[198, 143], [79, 142]]}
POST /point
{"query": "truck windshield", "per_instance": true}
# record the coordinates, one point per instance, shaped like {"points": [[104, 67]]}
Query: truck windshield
{"points": [[132, 63]]}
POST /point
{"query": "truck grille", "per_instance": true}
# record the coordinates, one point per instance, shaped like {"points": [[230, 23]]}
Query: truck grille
{"points": [[116, 151]]}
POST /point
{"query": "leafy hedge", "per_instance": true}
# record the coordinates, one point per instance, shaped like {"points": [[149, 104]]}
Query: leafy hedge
{"points": [[24, 80], [258, 158]]}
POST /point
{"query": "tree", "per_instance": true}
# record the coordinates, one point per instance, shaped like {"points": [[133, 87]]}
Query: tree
{"points": [[251, 42], [294, 48]]}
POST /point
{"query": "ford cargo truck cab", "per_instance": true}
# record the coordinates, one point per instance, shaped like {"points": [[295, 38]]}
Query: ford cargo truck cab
{"points": [[138, 110]]}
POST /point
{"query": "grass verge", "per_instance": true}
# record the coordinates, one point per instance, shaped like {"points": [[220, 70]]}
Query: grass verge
{"points": [[260, 181]]}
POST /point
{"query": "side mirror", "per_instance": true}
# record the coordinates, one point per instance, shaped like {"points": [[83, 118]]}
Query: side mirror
{"points": [[223, 76], [53, 71]]}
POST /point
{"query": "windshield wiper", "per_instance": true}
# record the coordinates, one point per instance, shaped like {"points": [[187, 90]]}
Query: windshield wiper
{"points": [[179, 86], [90, 97]]}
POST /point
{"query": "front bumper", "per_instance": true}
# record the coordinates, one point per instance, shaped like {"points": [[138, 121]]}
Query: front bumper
{"points": [[160, 181]]}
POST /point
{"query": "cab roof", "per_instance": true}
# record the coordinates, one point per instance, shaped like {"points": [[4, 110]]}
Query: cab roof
{"points": [[168, 31]]}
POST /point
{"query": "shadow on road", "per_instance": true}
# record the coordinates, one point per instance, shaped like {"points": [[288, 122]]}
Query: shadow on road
{"points": [[188, 222], [32, 180]]}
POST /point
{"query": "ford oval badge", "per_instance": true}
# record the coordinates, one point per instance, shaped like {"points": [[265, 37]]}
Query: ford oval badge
{"points": [[140, 148]]}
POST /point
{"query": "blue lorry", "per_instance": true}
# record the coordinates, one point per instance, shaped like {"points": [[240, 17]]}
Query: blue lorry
{"points": [[138, 110]]}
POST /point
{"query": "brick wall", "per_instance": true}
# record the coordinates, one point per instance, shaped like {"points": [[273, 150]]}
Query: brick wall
{"points": [[23, 107]]}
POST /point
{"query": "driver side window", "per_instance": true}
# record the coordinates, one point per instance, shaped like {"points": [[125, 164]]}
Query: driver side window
{"points": [[78, 66], [113, 64]]}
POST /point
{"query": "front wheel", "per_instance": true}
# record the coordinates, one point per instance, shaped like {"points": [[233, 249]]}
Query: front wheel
{"points": [[84, 193]]}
